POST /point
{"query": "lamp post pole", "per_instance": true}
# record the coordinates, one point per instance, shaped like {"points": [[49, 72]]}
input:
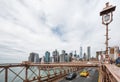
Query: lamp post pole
{"points": [[107, 18], [107, 39]]}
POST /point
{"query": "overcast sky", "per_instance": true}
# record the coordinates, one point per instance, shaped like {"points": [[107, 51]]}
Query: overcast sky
{"points": [[45, 25]]}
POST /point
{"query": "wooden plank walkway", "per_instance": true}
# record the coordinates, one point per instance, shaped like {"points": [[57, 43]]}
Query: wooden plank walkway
{"points": [[115, 71]]}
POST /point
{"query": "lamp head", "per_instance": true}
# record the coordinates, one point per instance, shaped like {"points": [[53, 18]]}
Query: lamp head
{"points": [[107, 9]]}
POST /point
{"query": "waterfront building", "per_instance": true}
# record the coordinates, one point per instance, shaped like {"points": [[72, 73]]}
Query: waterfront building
{"points": [[47, 57], [56, 56], [88, 53], [34, 57]]}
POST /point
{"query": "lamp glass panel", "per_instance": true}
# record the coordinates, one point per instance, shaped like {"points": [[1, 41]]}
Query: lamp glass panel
{"points": [[106, 17]]}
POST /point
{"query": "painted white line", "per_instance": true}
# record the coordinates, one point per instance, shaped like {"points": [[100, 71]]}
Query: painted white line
{"points": [[88, 76], [77, 76]]}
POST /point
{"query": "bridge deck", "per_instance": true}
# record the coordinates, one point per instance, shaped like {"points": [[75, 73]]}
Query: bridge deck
{"points": [[114, 70]]}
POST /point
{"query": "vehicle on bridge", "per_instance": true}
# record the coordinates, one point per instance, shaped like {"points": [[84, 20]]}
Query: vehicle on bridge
{"points": [[117, 61], [84, 73], [71, 76]]}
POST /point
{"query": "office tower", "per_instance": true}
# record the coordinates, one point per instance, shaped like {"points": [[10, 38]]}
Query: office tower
{"points": [[80, 52], [71, 54], [88, 53], [114, 52], [34, 57], [66, 57], [56, 56], [75, 54], [40, 59], [47, 57], [51, 59], [43, 59], [62, 56], [63, 51], [85, 56], [100, 53]]}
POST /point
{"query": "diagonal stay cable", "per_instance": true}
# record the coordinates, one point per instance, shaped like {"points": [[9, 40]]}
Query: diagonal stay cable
{"points": [[1, 70], [33, 72], [16, 74]]}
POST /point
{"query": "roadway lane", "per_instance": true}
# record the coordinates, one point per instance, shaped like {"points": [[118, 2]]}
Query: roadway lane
{"points": [[93, 77]]}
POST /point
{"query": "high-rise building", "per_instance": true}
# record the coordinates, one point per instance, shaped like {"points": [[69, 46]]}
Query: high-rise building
{"points": [[66, 57], [51, 59], [62, 56], [56, 56], [85, 56], [80, 52], [47, 57], [75, 54], [100, 55], [40, 59], [70, 54], [114, 52], [43, 59], [63, 51], [34, 57], [88, 53]]}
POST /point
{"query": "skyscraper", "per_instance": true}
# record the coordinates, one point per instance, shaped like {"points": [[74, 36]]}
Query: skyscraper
{"points": [[33, 57], [56, 56], [84, 56], [75, 54], [66, 57], [88, 53], [114, 52], [47, 57], [62, 56], [80, 52]]}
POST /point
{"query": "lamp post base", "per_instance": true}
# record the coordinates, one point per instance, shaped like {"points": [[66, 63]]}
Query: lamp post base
{"points": [[107, 58]]}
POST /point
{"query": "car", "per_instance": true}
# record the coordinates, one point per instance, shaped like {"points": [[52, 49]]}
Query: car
{"points": [[117, 61], [71, 76], [84, 73]]}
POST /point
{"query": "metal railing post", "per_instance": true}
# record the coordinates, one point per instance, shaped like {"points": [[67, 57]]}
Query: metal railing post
{"points": [[39, 77], [26, 74], [6, 74]]}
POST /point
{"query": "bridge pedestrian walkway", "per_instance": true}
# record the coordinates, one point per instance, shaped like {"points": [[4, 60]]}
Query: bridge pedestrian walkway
{"points": [[115, 71]]}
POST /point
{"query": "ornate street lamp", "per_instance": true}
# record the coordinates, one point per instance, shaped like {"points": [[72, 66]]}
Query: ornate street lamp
{"points": [[107, 18]]}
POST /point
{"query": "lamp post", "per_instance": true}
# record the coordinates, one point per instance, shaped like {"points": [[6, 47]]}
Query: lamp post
{"points": [[107, 18]]}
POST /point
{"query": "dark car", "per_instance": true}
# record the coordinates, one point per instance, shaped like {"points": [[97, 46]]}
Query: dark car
{"points": [[118, 61], [71, 76]]}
